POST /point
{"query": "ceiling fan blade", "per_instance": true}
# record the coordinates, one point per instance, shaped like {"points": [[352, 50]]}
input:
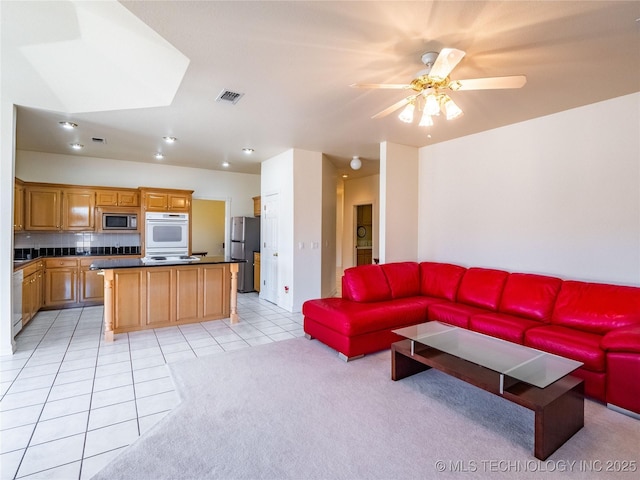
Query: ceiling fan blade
{"points": [[398, 86], [514, 81], [394, 107], [446, 61]]}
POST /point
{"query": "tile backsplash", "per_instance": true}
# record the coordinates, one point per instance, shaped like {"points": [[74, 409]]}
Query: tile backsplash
{"points": [[81, 243]]}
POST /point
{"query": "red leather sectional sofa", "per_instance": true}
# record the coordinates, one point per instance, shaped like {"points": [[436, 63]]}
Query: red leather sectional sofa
{"points": [[597, 324]]}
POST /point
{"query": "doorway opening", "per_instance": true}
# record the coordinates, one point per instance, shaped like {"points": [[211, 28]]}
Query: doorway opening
{"points": [[364, 234], [208, 227]]}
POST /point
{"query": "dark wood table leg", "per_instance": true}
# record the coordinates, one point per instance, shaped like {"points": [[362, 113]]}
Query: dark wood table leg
{"points": [[403, 366], [558, 421]]}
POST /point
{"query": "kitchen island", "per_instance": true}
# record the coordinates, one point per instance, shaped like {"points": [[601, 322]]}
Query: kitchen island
{"points": [[140, 295]]}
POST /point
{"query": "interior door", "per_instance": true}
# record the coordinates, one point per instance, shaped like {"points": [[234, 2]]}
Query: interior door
{"points": [[269, 251]]}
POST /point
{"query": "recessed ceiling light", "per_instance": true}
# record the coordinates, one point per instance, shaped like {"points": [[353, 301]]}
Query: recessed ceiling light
{"points": [[225, 164], [170, 139], [345, 175], [158, 156], [76, 146], [248, 151], [68, 125]]}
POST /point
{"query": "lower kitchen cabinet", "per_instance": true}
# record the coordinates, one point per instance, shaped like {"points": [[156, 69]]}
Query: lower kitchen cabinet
{"points": [[91, 284], [68, 282], [32, 290], [60, 279], [152, 297]]}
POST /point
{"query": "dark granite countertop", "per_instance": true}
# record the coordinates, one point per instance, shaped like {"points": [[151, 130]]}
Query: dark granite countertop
{"points": [[21, 262], [138, 263]]}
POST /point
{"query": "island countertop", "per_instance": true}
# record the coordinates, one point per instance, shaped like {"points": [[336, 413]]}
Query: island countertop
{"points": [[138, 262]]}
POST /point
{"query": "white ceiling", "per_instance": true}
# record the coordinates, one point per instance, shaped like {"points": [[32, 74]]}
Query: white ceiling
{"points": [[294, 62]]}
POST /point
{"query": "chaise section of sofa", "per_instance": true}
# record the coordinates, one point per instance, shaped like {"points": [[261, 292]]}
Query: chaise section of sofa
{"points": [[376, 299]]}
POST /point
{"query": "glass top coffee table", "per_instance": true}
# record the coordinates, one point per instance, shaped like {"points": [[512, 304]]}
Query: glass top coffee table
{"points": [[531, 378]]}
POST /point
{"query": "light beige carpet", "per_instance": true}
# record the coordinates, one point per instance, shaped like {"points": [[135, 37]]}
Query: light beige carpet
{"points": [[293, 410]]}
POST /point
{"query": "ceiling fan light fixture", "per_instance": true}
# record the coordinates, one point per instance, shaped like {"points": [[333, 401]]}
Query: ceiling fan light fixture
{"points": [[431, 106], [407, 114], [426, 120], [356, 163], [451, 110]]}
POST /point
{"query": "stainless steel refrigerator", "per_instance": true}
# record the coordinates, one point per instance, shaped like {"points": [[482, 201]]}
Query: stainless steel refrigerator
{"points": [[245, 239]]}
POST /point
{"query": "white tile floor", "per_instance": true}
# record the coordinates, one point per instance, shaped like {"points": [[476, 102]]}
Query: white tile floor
{"points": [[71, 402]]}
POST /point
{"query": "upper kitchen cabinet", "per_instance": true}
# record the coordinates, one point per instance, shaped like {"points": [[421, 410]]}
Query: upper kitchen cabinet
{"points": [[43, 208], [256, 206], [78, 207], [54, 208], [166, 200], [118, 198], [18, 205]]}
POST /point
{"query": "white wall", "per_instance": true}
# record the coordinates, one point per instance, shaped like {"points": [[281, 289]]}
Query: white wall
{"points": [[296, 177], [307, 228], [557, 195], [359, 191], [237, 188], [7, 134], [398, 202], [329, 225]]}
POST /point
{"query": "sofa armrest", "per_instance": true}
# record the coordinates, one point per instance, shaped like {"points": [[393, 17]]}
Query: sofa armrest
{"points": [[623, 339]]}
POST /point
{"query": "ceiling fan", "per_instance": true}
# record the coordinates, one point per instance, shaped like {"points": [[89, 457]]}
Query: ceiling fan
{"points": [[431, 84]]}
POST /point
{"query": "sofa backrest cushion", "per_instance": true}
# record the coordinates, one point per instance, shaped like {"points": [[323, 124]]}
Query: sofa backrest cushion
{"points": [[531, 296], [482, 287], [403, 278], [440, 280], [596, 307], [365, 283]]}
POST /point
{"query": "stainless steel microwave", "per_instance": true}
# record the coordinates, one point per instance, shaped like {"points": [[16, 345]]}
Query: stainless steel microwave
{"points": [[119, 221]]}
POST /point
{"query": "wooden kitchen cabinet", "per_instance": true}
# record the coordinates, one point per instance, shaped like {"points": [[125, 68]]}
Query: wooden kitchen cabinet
{"points": [[152, 297], [166, 200], [118, 198], [90, 283], [78, 208], [32, 290], [18, 205], [256, 206], [54, 208], [61, 282], [69, 282], [43, 207]]}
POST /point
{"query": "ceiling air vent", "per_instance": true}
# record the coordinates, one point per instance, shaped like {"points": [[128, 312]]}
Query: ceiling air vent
{"points": [[98, 140], [229, 96]]}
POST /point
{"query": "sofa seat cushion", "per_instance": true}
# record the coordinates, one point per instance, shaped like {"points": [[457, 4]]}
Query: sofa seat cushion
{"points": [[457, 314], [366, 283], [353, 318], [482, 287], [569, 343], [500, 325]]}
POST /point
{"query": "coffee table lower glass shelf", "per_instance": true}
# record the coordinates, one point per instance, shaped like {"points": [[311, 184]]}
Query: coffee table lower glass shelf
{"points": [[536, 380]]}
